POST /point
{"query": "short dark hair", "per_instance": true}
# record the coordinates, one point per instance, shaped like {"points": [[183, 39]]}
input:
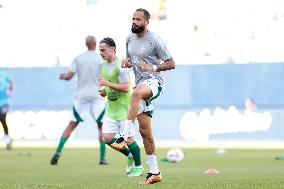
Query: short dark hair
{"points": [[145, 12], [109, 41]]}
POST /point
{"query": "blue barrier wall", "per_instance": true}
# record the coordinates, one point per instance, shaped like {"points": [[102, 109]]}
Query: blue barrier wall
{"points": [[188, 88], [198, 86], [41, 89], [191, 86]]}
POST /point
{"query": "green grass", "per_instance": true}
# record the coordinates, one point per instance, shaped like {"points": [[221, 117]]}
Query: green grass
{"points": [[79, 168]]}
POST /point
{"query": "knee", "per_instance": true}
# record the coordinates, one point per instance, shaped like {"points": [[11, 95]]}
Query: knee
{"points": [[106, 139], [136, 94]]}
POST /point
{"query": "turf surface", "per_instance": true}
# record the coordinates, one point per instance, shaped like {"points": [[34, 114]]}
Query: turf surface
{"points": [[78, 168]]}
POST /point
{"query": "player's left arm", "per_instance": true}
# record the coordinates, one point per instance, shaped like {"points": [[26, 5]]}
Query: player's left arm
{"points": [[162, 53], [166, 65]]}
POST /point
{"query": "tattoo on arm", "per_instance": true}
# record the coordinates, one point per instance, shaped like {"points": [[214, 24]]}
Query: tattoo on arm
{"points": [[150, 140]]}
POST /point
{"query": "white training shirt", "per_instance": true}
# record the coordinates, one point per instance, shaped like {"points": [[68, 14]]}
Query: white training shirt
{"points": [[151, 49], [87, 66]]}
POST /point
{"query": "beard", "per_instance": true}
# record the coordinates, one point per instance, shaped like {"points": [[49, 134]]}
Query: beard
{"points": [[137, 29]]}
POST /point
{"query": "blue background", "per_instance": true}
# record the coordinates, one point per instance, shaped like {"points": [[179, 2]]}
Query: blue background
{"points": [[188, 88]]}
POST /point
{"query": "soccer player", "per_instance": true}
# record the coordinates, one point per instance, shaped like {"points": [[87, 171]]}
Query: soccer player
{"points": [[6, 87], [87, 99], [148, 55], [115, 81]]}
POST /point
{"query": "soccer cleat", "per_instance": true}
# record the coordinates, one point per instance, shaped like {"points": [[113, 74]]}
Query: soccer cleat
{"points": [[54, 159], [103, 162], [119, 144], [152, 178], [130, 164], [136, 172]]}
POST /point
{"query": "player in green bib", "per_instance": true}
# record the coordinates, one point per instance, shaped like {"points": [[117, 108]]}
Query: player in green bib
{"points": [[116, 83]]}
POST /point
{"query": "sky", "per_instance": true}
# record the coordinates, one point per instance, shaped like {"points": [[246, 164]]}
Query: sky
{"points": [[41, 33]]}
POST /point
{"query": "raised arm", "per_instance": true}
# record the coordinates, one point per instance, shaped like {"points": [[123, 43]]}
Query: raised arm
{"points": [[166, 65]]}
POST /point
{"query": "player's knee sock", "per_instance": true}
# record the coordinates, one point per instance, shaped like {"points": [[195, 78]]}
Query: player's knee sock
{"points": [[61, 144], [102, 150], [153, 164], [124, 151], [135, 151]]}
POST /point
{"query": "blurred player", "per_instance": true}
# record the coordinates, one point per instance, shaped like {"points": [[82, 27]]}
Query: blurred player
{"points": [[250, 105], [6, 87], [148, 55], [87, 99], [117, 89]]}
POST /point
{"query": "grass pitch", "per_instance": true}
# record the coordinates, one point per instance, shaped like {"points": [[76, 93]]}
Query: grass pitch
{"points": [[24, 168]]}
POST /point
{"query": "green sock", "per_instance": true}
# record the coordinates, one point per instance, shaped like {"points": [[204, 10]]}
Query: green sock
{"points": [[124, 151], [135, 151], [102, 150], [61, 144]]}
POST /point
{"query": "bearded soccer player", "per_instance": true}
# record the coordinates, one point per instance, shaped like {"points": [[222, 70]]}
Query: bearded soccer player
{"points": [[148, 55]]}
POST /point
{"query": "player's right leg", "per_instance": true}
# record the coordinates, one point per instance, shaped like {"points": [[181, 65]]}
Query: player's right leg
{"points": [[140, 92], [97, 111], [109, 140], [66, 134], [126, 127], [145, 129], [137, 169], [7, 139], [80, 111], [110, 130], [103, 160]]}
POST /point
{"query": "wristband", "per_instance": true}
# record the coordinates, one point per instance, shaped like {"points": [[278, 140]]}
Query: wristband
{"points": [[154, 68]]}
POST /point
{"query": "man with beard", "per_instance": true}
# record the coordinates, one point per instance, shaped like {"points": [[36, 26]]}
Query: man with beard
{"points": [[148, 55]]}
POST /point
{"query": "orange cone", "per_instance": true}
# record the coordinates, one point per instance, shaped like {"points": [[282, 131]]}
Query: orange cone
{"points": [[211, 171]]}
